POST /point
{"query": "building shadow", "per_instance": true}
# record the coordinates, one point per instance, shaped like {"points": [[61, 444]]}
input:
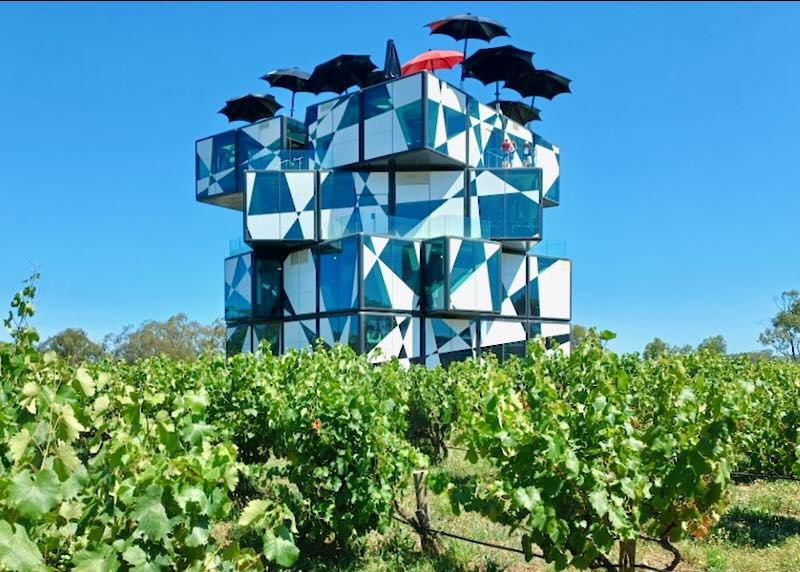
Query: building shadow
{"points": [[744, 527]]}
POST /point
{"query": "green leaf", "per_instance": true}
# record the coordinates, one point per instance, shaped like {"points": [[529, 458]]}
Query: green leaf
{"points": [[617, 516], [70, 428], [198, 537], [599, 501], [86, 382], [17, 445], [17, 551], [102, 560], [527, 497], [34, 496], [150, 514], [134, 556], [253, 510], [195, 432], [66, 454], [279, 548]]}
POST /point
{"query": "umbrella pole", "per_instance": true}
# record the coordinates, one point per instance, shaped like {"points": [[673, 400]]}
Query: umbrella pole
{"points": [[292, 112], [462, 62]]}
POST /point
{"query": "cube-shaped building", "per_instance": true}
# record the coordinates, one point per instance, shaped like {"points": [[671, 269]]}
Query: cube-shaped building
{"points": [[390, 219]]}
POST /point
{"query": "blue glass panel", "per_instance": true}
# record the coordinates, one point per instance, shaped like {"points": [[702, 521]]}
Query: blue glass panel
{"points": [[434, 251], [432, 111], [236, 340], [522, 216], [224, 152], [337, 190], [376, 100], [493, 266], [337, 267], [375, 329], [268, 287], [410, 119], [375, 293], [267, 193]]}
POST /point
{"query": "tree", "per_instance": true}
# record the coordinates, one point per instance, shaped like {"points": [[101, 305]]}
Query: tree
{"points": [[784, 335], [656, 348], [577, 336], [74, 346], [177, 337], [715, 344]]}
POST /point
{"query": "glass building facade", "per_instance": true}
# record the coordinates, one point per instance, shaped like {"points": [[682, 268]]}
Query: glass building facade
{"points": [[385, 221]]}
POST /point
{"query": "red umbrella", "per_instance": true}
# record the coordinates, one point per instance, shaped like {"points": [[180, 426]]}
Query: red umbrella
{"points": [[432, 60]]}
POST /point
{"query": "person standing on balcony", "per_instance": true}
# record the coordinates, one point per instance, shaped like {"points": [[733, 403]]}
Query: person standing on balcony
{"points": [[526, 154], [508, 151]]}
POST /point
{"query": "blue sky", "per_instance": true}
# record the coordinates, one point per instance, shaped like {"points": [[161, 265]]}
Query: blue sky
{"points": [[680, 150]]}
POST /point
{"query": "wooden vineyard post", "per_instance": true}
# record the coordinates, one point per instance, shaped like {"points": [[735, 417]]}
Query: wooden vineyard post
{"points": [[429, 541], [627, 555]]}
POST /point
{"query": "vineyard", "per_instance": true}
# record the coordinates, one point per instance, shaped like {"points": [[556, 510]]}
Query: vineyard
{"points": [[258, 462]]}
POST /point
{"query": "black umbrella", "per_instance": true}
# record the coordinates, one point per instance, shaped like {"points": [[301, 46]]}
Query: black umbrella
{"points": [[539, 83], [292, 79], [340, 73], [250, 107], [391, 65], [466, 26], [373, 78], [498, 64], [518, 111]]}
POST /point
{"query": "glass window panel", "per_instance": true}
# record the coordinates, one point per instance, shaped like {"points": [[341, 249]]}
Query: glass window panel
{"points": [[493, 266], [265, 196], [434, 274], [410, 118], [376, 328], [296, 134], [337, 266], [337, 190], [224, 151], [464, 264], [376, 101], [269, 334], [407, 268], [522, 216], [268, 287]]}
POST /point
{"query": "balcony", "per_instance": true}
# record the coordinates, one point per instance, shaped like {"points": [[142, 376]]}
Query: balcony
{"points": [[221, 160]]}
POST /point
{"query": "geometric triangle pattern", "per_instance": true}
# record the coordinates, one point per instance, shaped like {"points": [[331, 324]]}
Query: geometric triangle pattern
{"points": [[340, 330], [391, 336], [392, 117], [485, 135], [298, 335], [333, 131], [353, 202], [514, 290], [429, 203], [506, 202], [391, 273], [474, 275], [215, 165], [280, 205], [238, 286], [449, 339], [549, 287], [259, 145], [547, 157], [448, 120], [238, 340]]}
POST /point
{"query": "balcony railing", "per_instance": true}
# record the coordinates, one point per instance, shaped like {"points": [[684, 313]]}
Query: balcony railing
{"points": [[408, 228]]}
